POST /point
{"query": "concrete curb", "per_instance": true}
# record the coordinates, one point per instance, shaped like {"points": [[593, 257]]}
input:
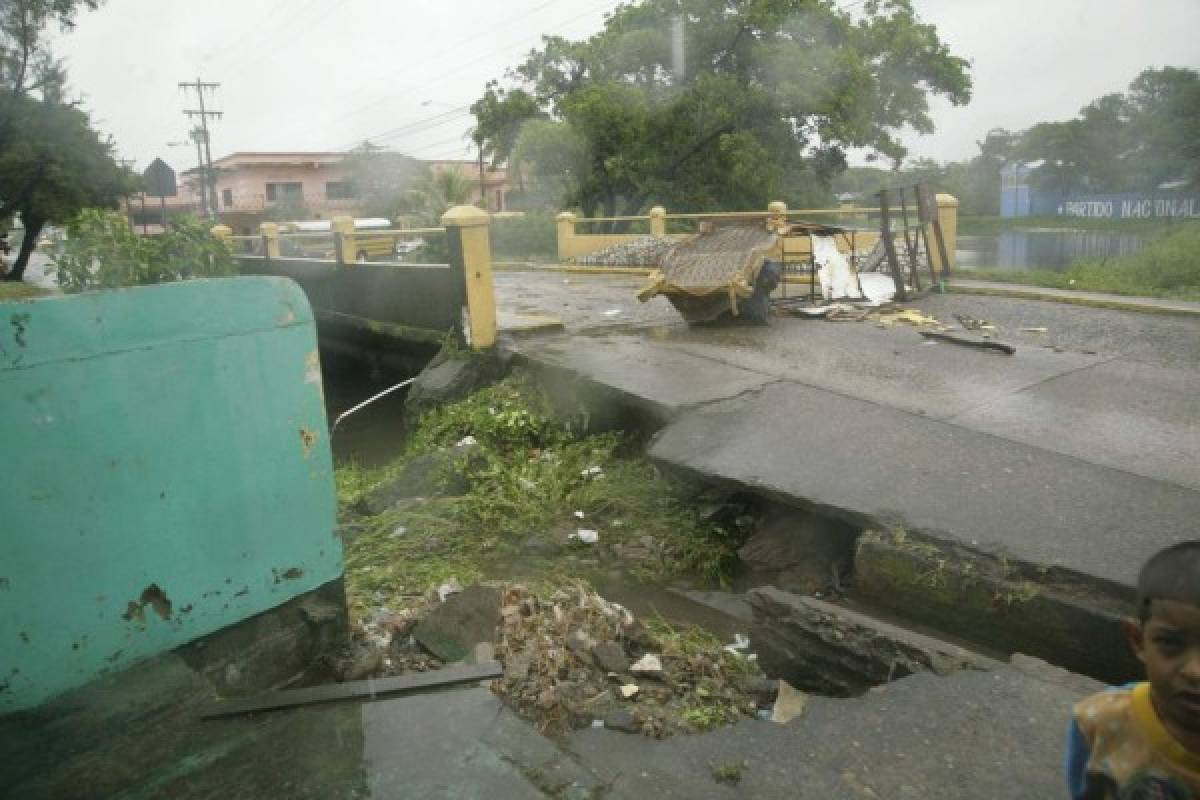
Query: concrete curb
{"points": [[1112, 302]]}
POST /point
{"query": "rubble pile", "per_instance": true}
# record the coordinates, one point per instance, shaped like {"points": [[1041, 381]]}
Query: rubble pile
{"points": [[579, 660], [646, 251]]}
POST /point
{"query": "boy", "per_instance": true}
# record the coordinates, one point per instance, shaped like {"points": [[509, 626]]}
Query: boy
{"points": [[1143, 740]]}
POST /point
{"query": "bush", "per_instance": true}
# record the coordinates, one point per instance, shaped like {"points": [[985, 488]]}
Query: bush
{"points": [[101, 252], [532, 237]]}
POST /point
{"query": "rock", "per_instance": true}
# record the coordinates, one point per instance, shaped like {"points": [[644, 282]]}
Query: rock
{"points": [[622, 720], [450, 376], [798, 551], [453, 628], [649, 665], [611, 657], [579, 642], [440, 473], [629, 691]]}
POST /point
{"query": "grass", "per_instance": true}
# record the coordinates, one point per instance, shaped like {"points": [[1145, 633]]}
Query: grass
{"points": [[529, 474], [16, 290], [1168, 267]]}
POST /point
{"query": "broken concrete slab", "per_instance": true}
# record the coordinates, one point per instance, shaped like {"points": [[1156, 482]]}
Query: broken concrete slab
{"points": [[995, 603], [826, 649], [952, 738], [452, 630], [657, 381], [879, 467]]}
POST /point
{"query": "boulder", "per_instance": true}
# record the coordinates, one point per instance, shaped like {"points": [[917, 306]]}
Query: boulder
{"points": [[453, 629], [450, 376], [622, 720]]}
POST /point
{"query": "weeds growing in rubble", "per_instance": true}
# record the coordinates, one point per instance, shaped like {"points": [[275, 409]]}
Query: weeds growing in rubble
{"points": [[531, 473]]}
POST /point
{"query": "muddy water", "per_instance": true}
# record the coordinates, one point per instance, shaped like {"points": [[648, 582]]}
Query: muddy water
{"points": [[374, 435]]}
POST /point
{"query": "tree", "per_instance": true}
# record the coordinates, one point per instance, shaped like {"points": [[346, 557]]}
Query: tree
{"points": [[52, 162], [57, 166], [101, 252], [382, 180], [762, 93]]}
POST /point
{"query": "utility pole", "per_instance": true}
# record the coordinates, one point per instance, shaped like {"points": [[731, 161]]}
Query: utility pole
{"points": [[127, 163], [210, 178], [196, 136]]}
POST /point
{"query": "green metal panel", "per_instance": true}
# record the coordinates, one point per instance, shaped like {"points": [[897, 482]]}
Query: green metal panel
{"points": [[167, 473]]}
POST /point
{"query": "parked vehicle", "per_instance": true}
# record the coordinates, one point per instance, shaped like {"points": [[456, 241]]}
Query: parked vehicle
{"points": [[366, 247]]}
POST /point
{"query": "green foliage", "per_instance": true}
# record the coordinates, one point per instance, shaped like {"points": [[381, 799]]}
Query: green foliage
{"points": [[532, 237], [20, 291], [766, 97], [1168, 267], [1123, 142], [528, 474], [383, 181], [101, 252]]}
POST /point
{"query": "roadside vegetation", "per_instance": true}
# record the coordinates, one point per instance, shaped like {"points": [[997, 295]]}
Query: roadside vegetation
{"points": [[529, 482], [101, 252], [10, 290], [1169, 267]]}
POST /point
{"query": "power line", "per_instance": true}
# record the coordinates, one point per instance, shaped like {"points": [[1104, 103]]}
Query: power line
{"points": [[445, 75], [418, 126], [202, 130]]}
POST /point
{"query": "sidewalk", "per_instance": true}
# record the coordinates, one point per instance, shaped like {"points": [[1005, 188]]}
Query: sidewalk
{"points": [[1146, 305]]}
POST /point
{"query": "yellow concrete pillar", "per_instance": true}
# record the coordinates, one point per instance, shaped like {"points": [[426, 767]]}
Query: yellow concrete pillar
{"points": [[270, 235], [344, 245], [947, 212], [470, 251], [566, 235], [658, 221], [776, 216], [223, 232]]}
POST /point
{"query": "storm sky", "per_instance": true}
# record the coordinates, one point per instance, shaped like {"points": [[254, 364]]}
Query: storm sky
{"points": [[323, 75]]}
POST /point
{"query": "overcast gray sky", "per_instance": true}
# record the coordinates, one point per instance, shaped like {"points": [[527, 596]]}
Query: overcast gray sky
{"points": [[324, 75]]}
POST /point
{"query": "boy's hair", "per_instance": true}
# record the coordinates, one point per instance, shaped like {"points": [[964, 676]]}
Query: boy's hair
{"points": [[1170, 574]]}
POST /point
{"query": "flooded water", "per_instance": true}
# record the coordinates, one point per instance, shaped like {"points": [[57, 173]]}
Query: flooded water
{"points": [[1052, 249]]}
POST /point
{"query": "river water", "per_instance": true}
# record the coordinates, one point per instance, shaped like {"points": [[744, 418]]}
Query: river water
{"points": [[1053, 249]]}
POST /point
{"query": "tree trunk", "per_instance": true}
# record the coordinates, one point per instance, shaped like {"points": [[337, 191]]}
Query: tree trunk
{"points": [[33, 229]]}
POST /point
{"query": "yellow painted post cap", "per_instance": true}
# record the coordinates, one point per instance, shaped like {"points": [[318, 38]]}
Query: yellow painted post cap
{"points": [[466, 217]]}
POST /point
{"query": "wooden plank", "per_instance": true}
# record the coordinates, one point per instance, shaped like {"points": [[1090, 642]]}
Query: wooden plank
{"points": [[369, 689]]}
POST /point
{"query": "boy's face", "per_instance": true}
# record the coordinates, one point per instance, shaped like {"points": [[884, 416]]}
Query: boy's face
{"points": [[1168, 643]]}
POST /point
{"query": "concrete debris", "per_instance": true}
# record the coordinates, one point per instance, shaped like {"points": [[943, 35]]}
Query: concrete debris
{"points": [[622, 720], [649, 664], [629, 691], [647, 251], [789, 704], [586, 535], [452, 629]]}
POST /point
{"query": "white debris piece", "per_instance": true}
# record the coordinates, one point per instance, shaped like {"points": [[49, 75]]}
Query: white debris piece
{"points": [[399, 531], [648, 664], [878, 288], [740, 642], [834, 271], [586, 535], [630, 690], [579, 515], [448, 588], [612, 312], [467, 441]]}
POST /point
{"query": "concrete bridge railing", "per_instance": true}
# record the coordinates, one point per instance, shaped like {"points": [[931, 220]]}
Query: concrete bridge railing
{"points": [[577, 239], [415, 302]]}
